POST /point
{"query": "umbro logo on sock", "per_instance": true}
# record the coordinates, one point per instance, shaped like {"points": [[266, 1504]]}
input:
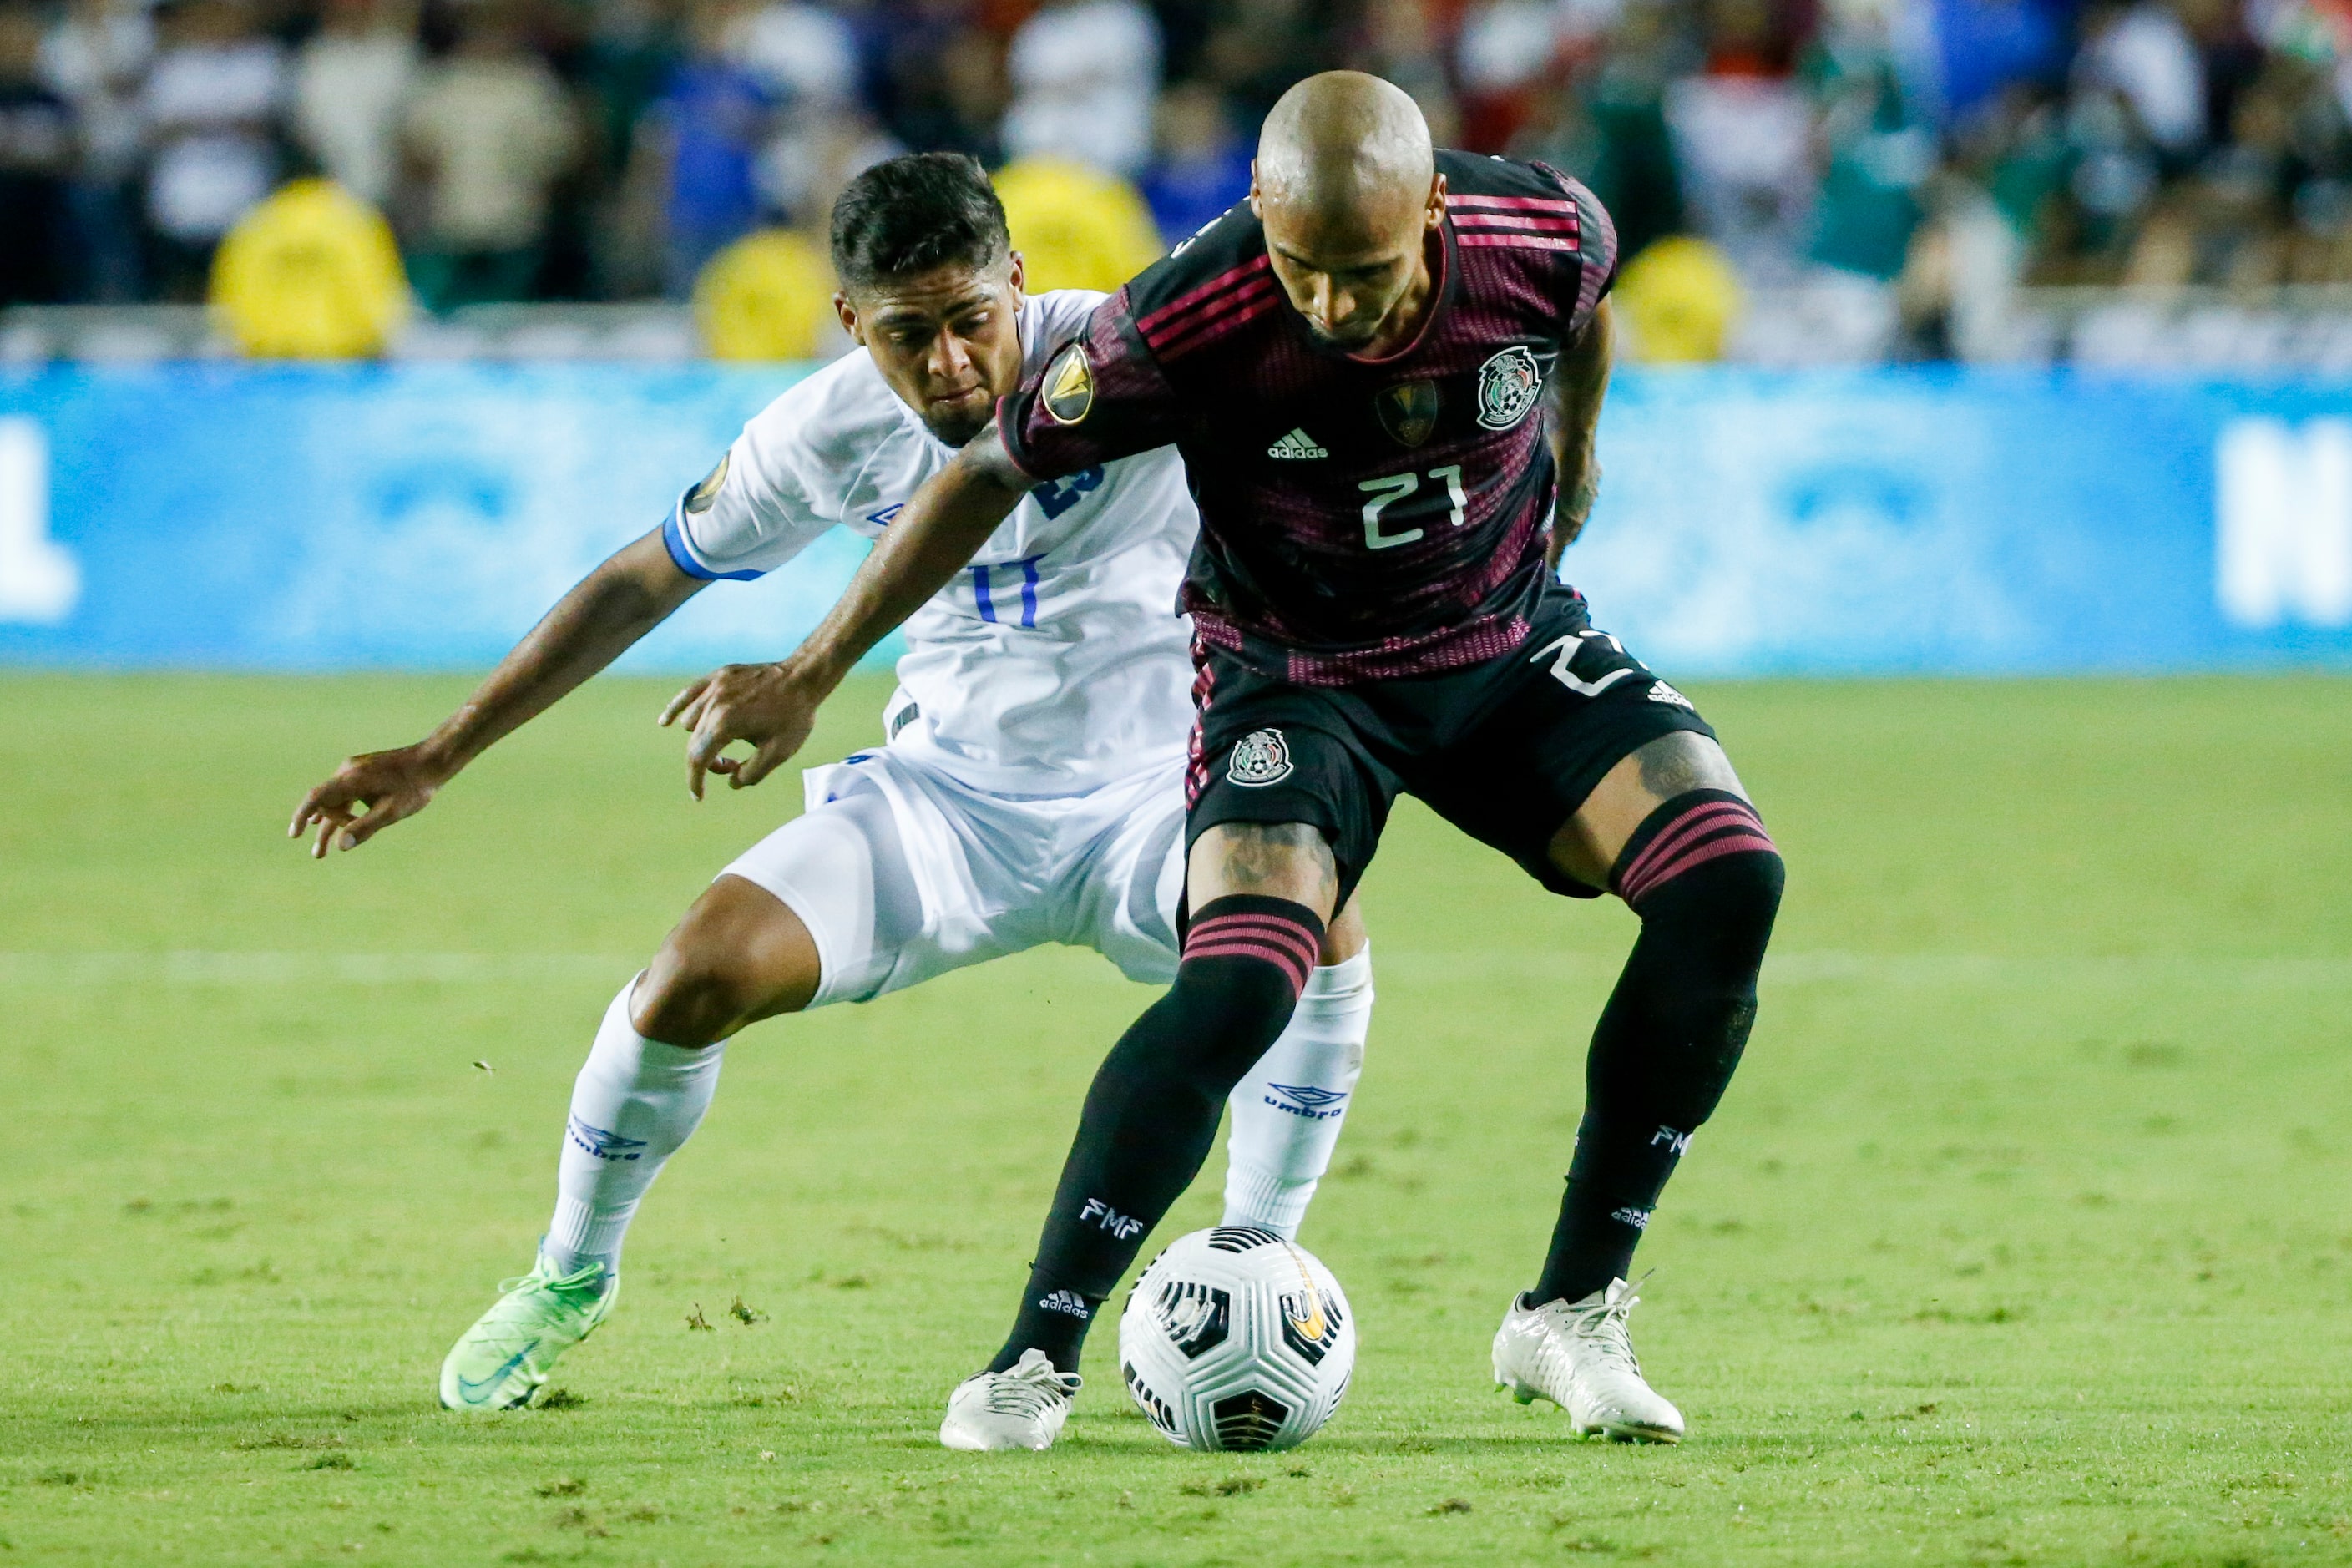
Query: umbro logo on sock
{"points": [[1068, 1301], [1297, 443], [605, 1146], [1309, 1101]]}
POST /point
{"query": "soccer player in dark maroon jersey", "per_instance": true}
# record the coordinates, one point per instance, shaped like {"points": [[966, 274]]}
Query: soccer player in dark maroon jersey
{"points": [[1384, 374]]}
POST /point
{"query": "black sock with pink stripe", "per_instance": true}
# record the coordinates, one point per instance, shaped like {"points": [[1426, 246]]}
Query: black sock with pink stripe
{"points": [[1706, 879], [1151, 1116], [1687, 832]]}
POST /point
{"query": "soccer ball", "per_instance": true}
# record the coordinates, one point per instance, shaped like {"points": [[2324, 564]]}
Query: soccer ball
{"points": [[1235, 1339]]}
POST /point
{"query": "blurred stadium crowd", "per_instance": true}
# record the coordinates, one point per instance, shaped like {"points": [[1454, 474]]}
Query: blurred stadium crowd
{"points": [[1917, 160]]}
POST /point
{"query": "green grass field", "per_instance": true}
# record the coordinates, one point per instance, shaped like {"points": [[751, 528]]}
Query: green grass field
{"points": [[2025, 1234]]}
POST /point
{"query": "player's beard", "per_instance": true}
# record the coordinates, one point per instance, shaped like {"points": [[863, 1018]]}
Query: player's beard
{"points": [[1354, 338], [1358, 332], [953, 421], [956, 427]]}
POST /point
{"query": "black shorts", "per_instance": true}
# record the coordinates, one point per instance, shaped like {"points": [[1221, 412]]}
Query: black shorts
{"points": [[1505, 751]]}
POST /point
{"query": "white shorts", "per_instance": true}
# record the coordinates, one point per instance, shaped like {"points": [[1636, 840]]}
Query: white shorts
{"points": [[901, 873]]}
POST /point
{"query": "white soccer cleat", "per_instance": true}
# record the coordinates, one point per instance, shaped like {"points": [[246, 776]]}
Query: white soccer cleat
{"points": [[1579, 1355], [1022, 1408]]}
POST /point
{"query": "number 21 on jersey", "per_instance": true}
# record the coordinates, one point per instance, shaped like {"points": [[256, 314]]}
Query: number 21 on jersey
{"points": [[1395, 487]]}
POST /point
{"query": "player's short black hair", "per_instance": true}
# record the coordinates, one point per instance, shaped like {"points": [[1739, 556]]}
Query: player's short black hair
{"points": [[911, 214]]}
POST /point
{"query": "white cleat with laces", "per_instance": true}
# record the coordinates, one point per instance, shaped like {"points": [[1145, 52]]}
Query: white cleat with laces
{"points": [[1579, 1355], [1023, 1407]]}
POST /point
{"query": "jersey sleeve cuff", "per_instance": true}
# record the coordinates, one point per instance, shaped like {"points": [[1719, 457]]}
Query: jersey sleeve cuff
{"points": [[681, 551], [1008, 438]]}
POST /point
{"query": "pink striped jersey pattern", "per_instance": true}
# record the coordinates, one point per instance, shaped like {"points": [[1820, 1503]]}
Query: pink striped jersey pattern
{"points": [[1201, 316], [1285, 943], [1706, 832], [1523, 223]]}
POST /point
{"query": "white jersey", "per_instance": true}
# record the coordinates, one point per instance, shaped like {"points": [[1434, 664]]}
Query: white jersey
{"points": [[1057, 661]]}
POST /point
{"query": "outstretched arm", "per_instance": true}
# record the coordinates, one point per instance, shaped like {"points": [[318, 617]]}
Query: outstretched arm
{"points": [[1578, 386], [621, 601], [773, 706]]}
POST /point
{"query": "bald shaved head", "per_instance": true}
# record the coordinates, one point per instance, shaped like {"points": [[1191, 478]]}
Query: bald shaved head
{"points": [[1344, 140], [1346, 184]]}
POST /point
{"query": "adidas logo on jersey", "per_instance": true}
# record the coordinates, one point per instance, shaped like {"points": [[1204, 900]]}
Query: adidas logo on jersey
{"points": [[1297, 443]]}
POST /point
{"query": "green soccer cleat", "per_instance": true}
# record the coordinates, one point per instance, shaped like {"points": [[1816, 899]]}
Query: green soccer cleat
{"points": [[504, 1358]]}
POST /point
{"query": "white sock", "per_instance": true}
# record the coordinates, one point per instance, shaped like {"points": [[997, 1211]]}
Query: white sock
{"points": [[634, 1103], [1288, 1112]]}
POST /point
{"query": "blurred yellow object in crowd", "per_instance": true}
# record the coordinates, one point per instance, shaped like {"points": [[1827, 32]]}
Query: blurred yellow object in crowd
{"points": [[312, 272], [768, 296], [1678, 299], [1078, 227]]}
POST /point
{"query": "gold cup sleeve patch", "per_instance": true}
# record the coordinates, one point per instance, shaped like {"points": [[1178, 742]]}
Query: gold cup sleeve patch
{"points": [[1069, 387], [699, 498]]}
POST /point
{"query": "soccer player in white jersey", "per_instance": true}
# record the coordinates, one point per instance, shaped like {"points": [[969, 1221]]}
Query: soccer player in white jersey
{"points": [[1031, 790]]}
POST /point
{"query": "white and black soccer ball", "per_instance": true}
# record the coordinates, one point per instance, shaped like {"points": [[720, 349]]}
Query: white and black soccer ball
{"points": [[1235, 1339]]}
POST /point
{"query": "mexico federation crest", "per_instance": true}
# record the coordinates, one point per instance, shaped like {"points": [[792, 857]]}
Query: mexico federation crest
{"points": [[1508, 385], [1408, 411], [1260, 757], [1069, 387], [699, 498]]}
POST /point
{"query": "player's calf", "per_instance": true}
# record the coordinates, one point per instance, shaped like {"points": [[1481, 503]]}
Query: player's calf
{"points": [[1705, 878], [633, 1104], [740, 954], [1151, 1114], [1286, 1115]]}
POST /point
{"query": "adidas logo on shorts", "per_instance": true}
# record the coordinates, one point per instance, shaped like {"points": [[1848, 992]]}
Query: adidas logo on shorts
{"points": [[1297, 443]]}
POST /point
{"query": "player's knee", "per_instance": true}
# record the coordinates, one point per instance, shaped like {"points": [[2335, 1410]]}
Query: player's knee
{"points": [[688, 999], [1704, 854], [1741, 891], [697, 991], [740, 954], [1235, 1008]]}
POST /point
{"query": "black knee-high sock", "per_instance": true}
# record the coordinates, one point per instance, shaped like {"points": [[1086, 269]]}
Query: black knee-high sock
{"points": [[1152, 1115], [1706, 879]]}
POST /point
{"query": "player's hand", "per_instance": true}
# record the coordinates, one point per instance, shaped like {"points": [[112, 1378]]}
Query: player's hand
{"points": [[367, 794], [759, 703]]}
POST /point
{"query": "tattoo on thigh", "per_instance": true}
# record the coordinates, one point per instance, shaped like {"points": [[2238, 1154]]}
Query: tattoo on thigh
{"points": [[1677, 764], [1260, 854]]}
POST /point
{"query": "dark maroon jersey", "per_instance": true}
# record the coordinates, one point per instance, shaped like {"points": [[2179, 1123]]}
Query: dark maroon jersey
{"points": [[1359, 518]]}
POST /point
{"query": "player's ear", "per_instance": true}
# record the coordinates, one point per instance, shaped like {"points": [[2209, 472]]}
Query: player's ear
{"points": [[1017, 278], [848, 314], [1257, 203], [1437, 214]]}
